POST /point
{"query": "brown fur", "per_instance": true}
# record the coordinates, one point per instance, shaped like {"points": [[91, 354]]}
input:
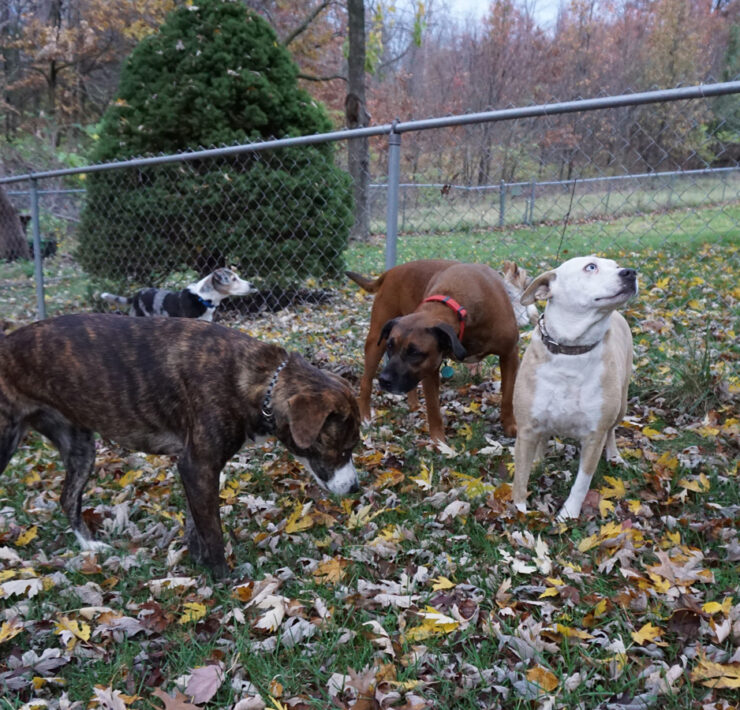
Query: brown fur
{"points": [[399, 320]]}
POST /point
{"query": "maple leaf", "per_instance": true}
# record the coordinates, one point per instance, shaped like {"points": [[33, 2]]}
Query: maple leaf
{"points": [[193, 612], [204, 682], [10, 629], [179, 702], [547, 680], [299, 520], [716, 675], [24, 538], [647, 633], [331, 571]]}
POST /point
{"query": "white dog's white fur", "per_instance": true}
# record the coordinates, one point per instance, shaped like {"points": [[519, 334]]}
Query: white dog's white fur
{"points": [[574, 375]]}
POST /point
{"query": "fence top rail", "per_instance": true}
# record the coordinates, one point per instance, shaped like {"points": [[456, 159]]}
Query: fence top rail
{"points": [[397, 127]]}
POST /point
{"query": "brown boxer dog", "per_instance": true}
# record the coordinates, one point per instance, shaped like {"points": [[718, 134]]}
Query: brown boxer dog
{"points": [[427, 310], [171, 386]]}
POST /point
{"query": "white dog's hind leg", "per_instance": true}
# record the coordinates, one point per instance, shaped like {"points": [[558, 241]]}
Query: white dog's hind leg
{"points": [[612, 453], [526, 449]]}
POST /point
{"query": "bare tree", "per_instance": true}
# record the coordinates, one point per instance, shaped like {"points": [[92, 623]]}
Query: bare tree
{"points": [[357, 117], [13, 244]]}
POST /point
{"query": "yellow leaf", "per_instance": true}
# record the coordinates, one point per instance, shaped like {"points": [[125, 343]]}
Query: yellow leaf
{"points": [[569, 632], [10, 629], [442, 583], [392, 477], [549, 592], [668, 461], [662, 283], [299, 519], [424, 479], [79, 629], [24, 538], [605, 507], [651, 433], [716, 675], [129, 477], [434, 623], [670, 539], [634, 506], [32, 478], [715, 607], [193, 612], [547, 680], [588, 543], [616, 490], [363, 516], [648, 633], [600, 608], [330, 571], [700, 485], [473, 486]]}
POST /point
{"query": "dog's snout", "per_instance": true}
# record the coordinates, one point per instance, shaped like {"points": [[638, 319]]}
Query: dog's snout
{"points": [[354, 488], [629, 275], [385, 380]]}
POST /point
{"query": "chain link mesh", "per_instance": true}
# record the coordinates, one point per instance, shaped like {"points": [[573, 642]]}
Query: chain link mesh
{"points": [[533, 190]]}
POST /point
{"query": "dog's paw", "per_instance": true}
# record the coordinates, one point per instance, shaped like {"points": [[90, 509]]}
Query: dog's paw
{"points": [[521, 507], [568, 512], [615, 459], [91, 545]]}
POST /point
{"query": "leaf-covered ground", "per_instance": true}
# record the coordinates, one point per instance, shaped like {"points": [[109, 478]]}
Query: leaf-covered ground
{"points": [[428, 589]]}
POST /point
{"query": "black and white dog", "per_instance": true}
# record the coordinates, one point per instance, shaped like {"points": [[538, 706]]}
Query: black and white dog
{"points": [[199, 300]]}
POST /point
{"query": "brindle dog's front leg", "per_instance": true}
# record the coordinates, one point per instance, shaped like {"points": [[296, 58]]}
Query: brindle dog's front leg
{"points": [[199, 474]]}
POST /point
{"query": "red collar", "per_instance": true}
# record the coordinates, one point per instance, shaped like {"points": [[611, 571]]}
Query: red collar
{"points": [[461, 311]]}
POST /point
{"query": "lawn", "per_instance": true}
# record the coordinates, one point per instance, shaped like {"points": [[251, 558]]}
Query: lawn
{"points": [[428, 589]]}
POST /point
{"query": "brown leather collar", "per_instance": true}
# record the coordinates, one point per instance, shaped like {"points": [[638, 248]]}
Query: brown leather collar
{"points": [[557, 348]]}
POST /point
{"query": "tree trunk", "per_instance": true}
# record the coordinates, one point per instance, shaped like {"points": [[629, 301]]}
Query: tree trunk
{"points": [[358, 117], [13, 244]]}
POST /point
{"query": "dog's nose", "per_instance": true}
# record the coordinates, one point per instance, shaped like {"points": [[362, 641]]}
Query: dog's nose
{"points": [[384, 380], [629, 275], [354, 487]]}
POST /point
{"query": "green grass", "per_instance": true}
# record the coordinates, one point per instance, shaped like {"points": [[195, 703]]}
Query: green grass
{"points": [[394, 555]]}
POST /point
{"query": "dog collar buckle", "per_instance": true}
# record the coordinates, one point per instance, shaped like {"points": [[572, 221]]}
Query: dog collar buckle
{"points": [[267, 412], [205, 302], [556, 348], [461, 311]]}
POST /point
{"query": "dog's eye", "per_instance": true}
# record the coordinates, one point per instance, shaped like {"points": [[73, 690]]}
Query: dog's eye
{"points": [[591, 267]]}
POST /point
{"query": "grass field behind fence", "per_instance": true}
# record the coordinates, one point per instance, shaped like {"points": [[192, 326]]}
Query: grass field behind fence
{"points": [[428, 589]]}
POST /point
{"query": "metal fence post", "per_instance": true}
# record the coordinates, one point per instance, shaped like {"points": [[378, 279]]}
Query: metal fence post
{"points": [[38, 270], [394, 172], [501, 203]]}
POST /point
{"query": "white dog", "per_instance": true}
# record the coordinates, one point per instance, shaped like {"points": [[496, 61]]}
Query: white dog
{"points": [[199, 300], [574, 375]]}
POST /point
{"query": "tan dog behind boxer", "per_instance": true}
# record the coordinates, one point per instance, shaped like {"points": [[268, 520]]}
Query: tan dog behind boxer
{"points": [[417, 334], [574, 375]]}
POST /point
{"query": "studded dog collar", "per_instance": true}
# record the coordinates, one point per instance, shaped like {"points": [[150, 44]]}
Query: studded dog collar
{"points": [[267, 412], [558, 349], [461, 311]]}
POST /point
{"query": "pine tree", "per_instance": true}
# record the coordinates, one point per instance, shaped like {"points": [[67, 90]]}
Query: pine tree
{"points": [[214, 75]]}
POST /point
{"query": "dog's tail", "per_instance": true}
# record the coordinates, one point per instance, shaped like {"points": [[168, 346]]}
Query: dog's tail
{"points": [[367, 284], [120, 300]]}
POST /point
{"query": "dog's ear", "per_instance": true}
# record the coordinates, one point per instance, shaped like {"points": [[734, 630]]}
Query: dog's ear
{"points": [[306, 415], [386, 331], [539, 289], [448, 341]]}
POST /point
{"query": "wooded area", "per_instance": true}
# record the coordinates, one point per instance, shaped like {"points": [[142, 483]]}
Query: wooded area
{"points": [[61, 59]]}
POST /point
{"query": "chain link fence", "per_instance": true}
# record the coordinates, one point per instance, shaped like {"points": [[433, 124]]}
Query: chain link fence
{"points": [[654, 171]]}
